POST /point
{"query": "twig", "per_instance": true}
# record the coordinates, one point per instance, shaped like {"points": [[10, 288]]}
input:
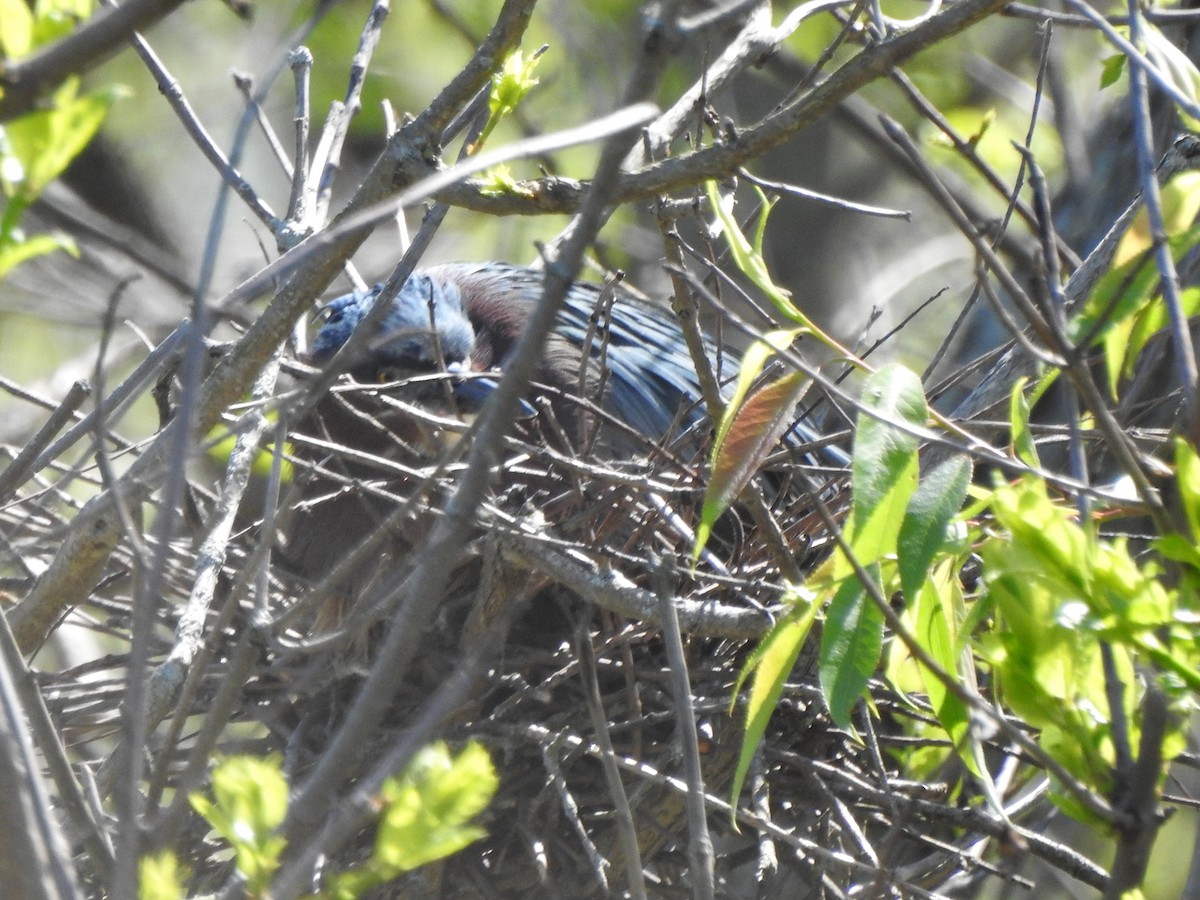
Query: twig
{"points": [[300, 60], [167, 679], [882, 212], [338, 123], [69, 791], [524, 544], [34, 855], [169, 88], [783, 836], [15, 474], [700, 848], [1181, 335], [245, 86], [626, 832]]}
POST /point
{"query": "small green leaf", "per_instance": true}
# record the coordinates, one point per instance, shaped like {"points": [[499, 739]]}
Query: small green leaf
{"points": [[851, 645], [47, 140], [1112, 67], [160, 877], [1126, 344], [509, 86], [1019, 409], [498, 181], [249, 803], [771, 664], [1125, 289], [923, 532], [430, 806], [13, 253], [749, 260], [58, 18]]}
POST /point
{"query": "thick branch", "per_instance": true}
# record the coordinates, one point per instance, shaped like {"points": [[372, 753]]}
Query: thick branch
{"points": [[22, 83]]}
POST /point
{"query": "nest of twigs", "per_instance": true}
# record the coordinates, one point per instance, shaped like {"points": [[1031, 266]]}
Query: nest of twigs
{"points": [[548, 646]]}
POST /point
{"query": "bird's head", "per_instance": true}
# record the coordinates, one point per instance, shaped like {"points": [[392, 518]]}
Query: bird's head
{"points": [[424, 328]]}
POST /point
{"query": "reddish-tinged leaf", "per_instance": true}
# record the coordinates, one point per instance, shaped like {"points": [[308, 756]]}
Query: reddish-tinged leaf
{"points": [[754, 430]]}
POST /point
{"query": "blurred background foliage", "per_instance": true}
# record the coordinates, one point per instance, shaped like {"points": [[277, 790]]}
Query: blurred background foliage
{"points": [[144, 173]]}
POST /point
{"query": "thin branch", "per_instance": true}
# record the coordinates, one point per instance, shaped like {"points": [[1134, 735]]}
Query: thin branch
{"points": [[700, 847]]}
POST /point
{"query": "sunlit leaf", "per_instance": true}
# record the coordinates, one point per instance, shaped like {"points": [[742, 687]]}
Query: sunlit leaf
{"points": [[770, 666], [851, 644], [161, 877], [935, 613], [1125, 344], [249, 802], [884, 464], [749, 260], [16, 29], [430, 806], [923, 532], [47, 140], [12, 254], [1187, 477]]}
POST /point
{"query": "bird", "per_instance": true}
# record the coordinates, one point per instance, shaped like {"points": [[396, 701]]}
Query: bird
{"points": [[462, 322], [637, 365]]}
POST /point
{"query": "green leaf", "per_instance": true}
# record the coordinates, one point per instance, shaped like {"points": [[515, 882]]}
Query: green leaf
{"points": [[47, 140], [1125, 345], [749, 260], [1126, 288], [430, 806], [884, 466], [249, 803], [1019, 407], [1112, 68], [509, 86], [851, 645], [1187, 477], [936, 611], [923, 532], [55, 19], [498, 181], [13, 253], [16, 29], [771, 664], [160, 877]]}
